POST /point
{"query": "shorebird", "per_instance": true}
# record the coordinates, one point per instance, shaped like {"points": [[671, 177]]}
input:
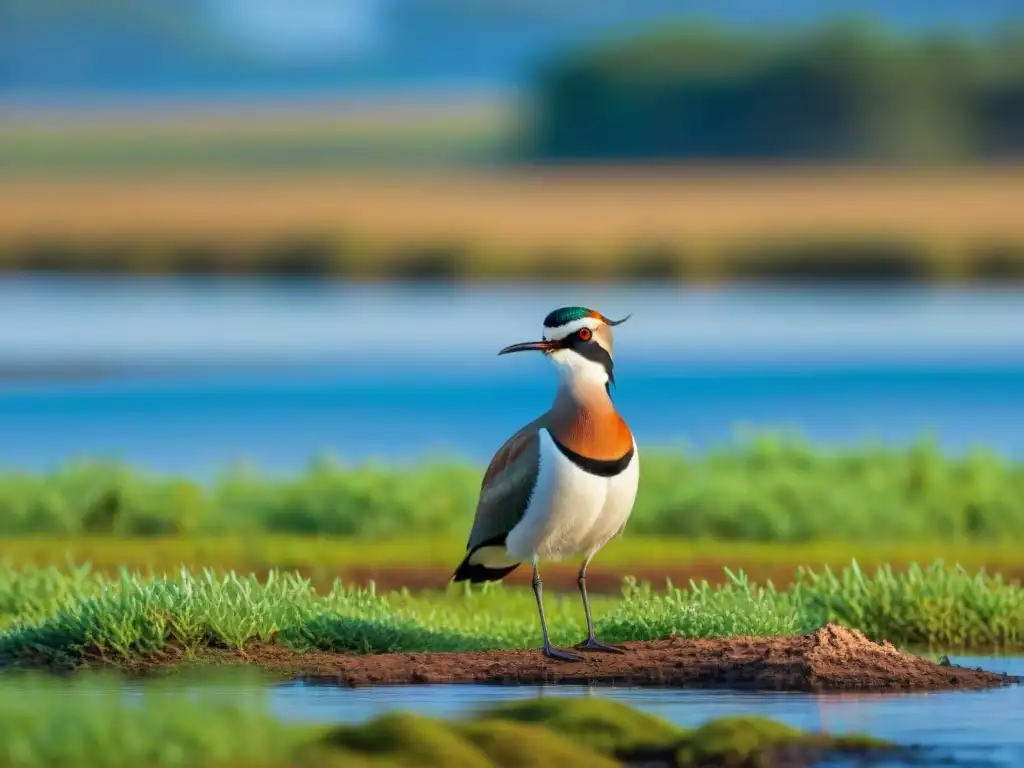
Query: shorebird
{"points": [[563, 485]]}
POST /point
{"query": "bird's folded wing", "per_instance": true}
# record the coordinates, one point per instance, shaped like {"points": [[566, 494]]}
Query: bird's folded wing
{"points": [[506, 488]]}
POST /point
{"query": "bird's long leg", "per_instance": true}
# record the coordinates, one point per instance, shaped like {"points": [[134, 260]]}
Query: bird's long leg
{"points": [[551, 653], [591, 643]]}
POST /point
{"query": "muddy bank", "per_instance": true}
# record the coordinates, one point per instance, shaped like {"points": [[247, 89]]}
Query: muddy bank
{"points": [[832, 658]]}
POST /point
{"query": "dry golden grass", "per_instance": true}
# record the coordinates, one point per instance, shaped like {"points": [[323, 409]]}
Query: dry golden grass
{"points": [[512, 222]]}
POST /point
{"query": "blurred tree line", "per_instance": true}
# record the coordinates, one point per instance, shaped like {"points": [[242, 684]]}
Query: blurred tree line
{"points": [[843, 92]]}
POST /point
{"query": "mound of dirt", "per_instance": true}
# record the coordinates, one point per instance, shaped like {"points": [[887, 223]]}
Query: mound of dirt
{"points": [[830, 658]]}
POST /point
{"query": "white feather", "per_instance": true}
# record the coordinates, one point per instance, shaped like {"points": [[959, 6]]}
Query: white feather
{"points": [[571, 512], [575, 370], [561, 331], [496, 558]]}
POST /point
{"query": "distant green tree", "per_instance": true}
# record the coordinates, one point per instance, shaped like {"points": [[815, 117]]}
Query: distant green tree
{"points": [[844, 92]]}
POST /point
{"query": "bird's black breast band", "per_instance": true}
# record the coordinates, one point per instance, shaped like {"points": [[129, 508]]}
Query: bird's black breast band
{"points": [[599, 467]]}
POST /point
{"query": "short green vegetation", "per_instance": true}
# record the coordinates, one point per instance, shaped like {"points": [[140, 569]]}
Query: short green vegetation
{"points": [[59, 619], [764, 490], [605, 726], [409, 740], [46, 723], [545, 746], [742, 740], [90, 722]]}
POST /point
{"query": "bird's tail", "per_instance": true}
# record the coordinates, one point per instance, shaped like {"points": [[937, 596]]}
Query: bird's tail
{"points": [[476, 573]]}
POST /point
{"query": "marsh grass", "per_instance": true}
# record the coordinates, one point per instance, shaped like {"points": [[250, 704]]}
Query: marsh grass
{"points": [[94, 721], [60, 619], [765, 489]]}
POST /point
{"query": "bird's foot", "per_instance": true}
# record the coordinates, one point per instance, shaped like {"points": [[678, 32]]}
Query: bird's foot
{"points": [[557, 655], [591, 644]]}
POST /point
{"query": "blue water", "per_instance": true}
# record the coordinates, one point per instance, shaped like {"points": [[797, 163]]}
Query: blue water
{"points": [[983, 727], [202, 373], [280, 420]]}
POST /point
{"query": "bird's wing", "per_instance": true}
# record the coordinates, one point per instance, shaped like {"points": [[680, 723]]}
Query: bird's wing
{"points": [[507, 486]]}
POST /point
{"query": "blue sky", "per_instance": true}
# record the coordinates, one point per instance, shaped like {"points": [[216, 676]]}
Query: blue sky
{"points": [[300, 29]]}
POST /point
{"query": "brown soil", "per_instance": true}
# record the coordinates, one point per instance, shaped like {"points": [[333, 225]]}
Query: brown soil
{"points": [[832, 658]]}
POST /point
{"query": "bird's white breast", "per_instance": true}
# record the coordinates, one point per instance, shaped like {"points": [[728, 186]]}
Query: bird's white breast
{"points": [[571, 511]]}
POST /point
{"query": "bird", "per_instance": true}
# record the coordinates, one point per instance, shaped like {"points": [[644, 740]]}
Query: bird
{"points": [[564, 485]]}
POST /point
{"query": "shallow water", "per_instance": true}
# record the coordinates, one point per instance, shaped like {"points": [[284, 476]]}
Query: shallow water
{"points": [[977, 728], [399, 371], [983, 727]]}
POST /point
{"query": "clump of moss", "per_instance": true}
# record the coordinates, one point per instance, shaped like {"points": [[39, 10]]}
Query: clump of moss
{"points": [[605, 726], [756, 741], [564, 733], [401, 739], [406, 740], [513, 745]]}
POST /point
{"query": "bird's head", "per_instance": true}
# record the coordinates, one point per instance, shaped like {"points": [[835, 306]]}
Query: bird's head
{"points": [[578, 341]]}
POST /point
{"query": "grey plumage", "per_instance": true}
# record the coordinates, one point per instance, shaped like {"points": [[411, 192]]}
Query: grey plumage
{"points": [[505, 493]]}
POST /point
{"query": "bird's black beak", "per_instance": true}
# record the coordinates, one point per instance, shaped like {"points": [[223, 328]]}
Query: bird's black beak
{"points": [[527, 346]]}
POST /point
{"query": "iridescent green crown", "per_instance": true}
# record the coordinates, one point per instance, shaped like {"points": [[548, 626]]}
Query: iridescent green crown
{"points": [[568, 315]]}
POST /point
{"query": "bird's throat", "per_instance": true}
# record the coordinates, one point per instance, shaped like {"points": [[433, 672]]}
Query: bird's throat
{"points": [[583, 419]]}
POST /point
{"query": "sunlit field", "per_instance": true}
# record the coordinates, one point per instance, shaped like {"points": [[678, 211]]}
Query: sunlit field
{"points": [[689, 223]]}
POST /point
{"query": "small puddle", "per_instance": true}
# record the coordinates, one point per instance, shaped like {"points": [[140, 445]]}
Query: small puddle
{"points": [[984, 728]]}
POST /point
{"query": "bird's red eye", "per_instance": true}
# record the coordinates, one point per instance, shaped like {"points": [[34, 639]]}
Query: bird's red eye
{"points": [[584, 334]]}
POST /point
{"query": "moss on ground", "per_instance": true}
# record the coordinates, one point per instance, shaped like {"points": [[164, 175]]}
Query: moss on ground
{"points": [[88, 722], [565, 732], [757, 740], [403, 739], [510, 745], [606, 726]]}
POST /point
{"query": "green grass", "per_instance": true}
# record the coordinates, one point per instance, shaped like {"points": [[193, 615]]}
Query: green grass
{"points": [[764, 490], [59, 618], [325, 557], [89, 722], [446, 135], [45, 722]]}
